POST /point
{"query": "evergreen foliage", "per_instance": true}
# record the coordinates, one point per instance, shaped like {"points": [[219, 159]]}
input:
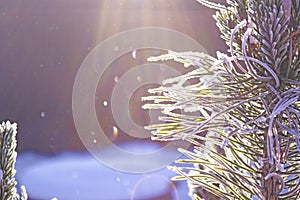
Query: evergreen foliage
{"points": [[8, 155], [240, 110]]}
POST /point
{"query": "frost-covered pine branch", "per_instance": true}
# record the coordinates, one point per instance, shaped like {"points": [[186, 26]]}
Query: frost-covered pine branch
{"points": [[241, 109], [8, 155]]}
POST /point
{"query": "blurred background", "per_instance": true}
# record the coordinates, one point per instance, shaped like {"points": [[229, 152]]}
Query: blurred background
{"points": [[43, 44]]}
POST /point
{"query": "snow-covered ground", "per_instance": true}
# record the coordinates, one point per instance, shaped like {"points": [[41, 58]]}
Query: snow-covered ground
{"points": [[79, 176]]}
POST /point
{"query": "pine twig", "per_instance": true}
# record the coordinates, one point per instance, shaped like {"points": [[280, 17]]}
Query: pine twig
{"points": [[8, 155]]}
